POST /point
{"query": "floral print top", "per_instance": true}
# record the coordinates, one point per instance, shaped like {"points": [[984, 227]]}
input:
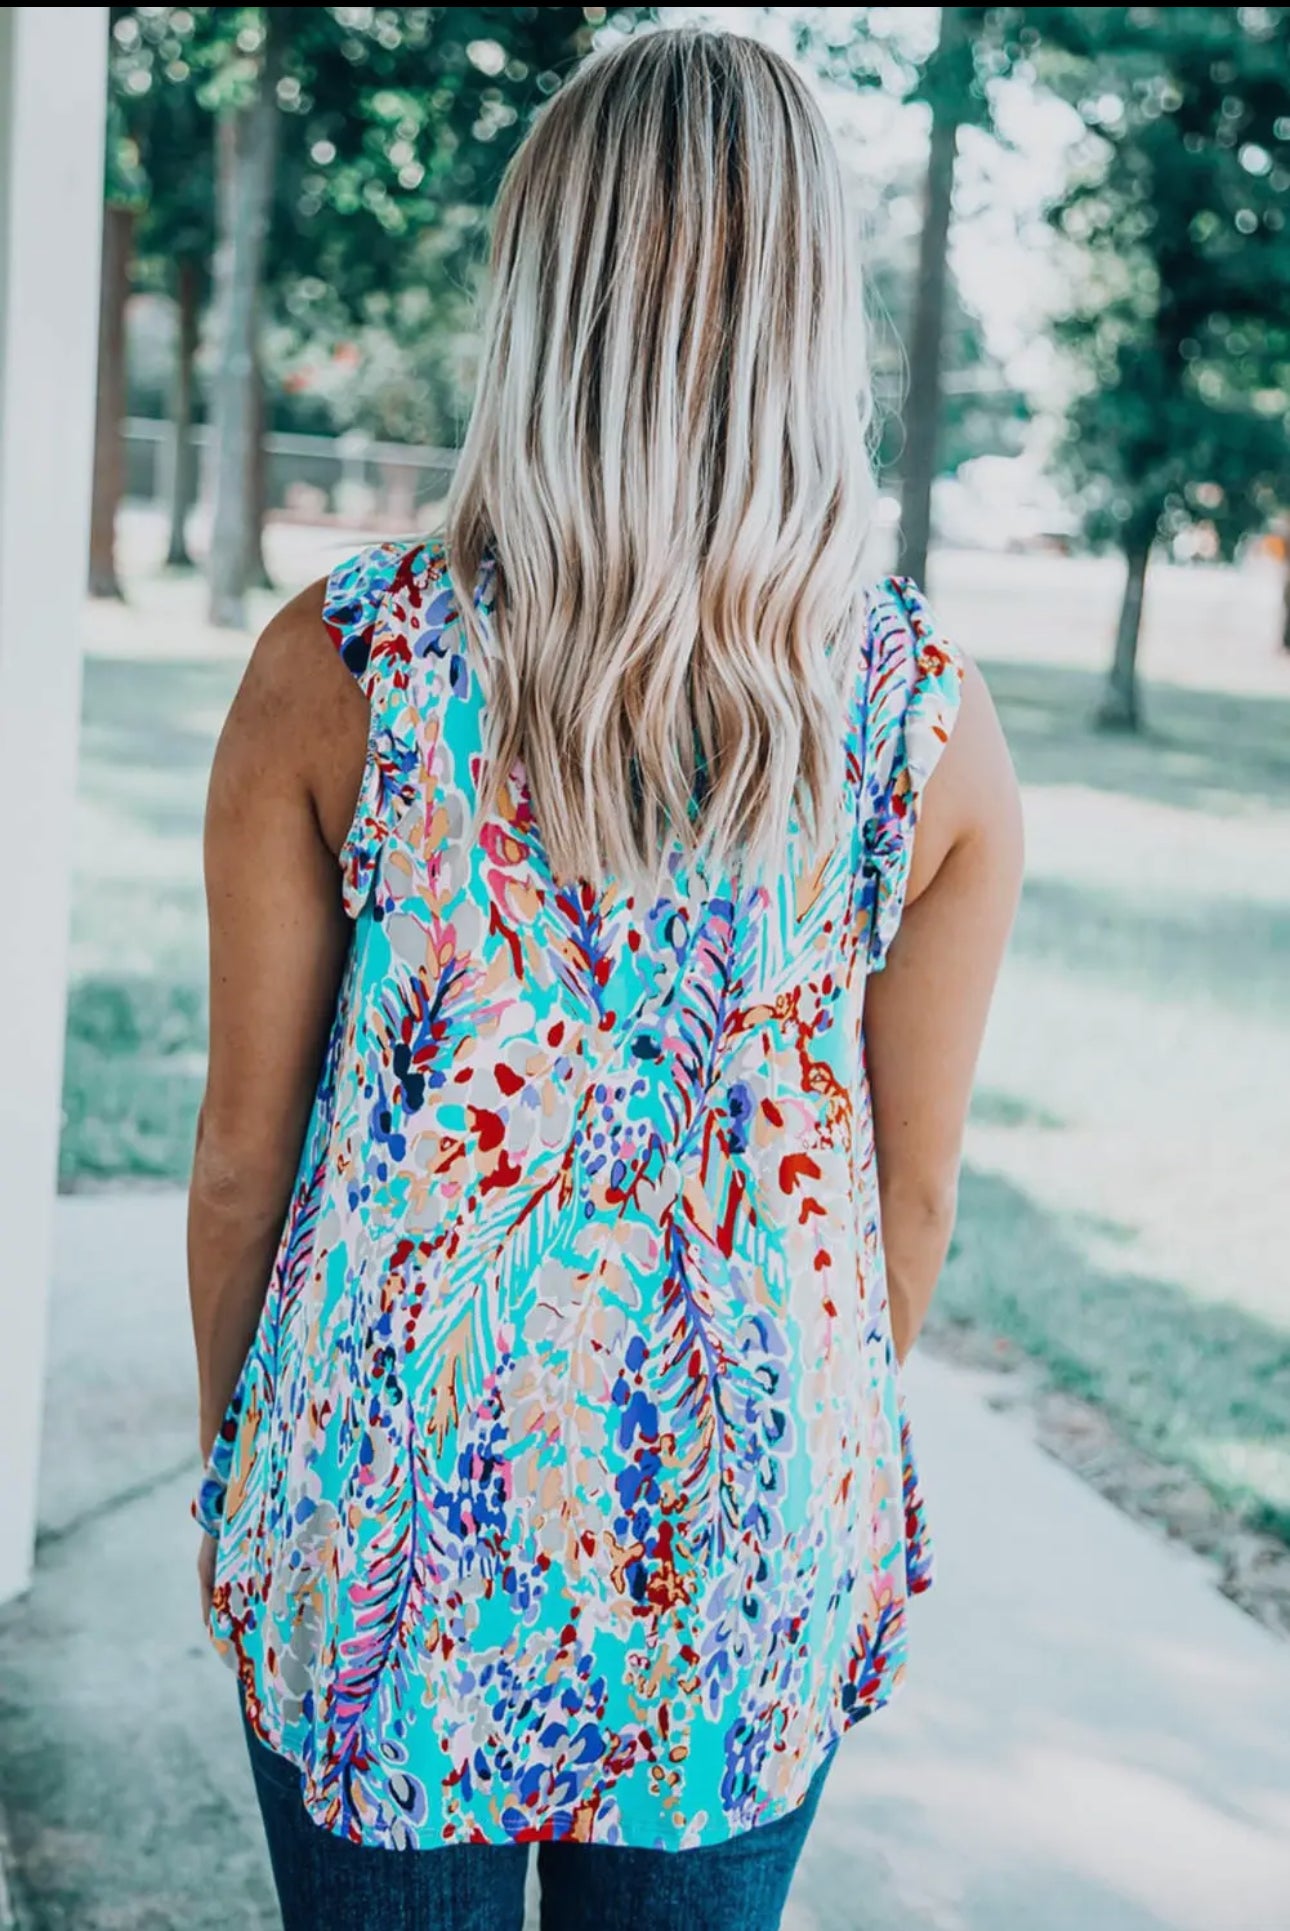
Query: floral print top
{"points": [[566, 1491]]}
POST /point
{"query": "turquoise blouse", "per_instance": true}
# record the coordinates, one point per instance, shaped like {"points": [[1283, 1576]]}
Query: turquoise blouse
{"points": [[566, 1491]]}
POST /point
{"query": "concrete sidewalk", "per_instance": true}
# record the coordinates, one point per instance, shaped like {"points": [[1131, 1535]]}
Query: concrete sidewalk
{"points": [[1091, 1739]]}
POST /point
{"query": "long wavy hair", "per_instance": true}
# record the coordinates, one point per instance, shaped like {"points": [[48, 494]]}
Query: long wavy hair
{"points": [[667, 463]]}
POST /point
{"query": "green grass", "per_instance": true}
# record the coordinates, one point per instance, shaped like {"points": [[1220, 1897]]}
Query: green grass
{"points": [[1124, 1207], [136, 1059], [136, 1023]]}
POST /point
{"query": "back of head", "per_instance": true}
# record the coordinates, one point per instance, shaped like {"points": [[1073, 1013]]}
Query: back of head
{"points": [[667, 461]]}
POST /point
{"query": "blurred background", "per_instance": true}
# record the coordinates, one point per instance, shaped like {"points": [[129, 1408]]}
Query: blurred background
{"points": [[1077, 259]]}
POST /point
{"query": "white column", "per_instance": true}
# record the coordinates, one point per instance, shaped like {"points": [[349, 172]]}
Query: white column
{"points": [[52, 94]]}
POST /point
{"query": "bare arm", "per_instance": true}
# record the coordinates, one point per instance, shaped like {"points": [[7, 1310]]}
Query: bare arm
{"points": [[290, 756], [925, 1013]]}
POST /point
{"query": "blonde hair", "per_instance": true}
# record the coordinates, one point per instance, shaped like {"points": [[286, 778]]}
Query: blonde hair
{"points": [[667, 462]]}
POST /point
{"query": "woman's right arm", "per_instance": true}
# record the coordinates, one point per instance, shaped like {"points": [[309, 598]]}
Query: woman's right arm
{"points": [[283, 785], [925, 1012]]}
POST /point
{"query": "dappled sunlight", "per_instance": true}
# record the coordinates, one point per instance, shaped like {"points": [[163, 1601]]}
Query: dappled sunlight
{"points": [[1083, 834], [1205, 630], [1139, 1080], [1162, 946], [1202, 751], [163, 617]]}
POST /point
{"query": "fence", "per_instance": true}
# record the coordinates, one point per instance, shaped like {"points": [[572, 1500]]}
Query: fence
{"points": [[350, 476]]}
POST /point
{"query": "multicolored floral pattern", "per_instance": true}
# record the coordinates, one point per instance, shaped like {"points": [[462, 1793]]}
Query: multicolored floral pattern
{"points": [[566, 1491]]}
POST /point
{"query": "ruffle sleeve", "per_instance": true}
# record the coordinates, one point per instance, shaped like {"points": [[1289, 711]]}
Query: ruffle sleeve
{"points": [[913, 682], [372, 640]]}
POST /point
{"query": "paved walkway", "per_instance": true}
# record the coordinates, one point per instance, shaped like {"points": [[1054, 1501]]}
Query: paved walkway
{"points": [[1091, 1740]]}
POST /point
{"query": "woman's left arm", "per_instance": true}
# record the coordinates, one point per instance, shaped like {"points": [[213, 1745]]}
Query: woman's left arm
{"points": [[289, 757], [925, 1014]]}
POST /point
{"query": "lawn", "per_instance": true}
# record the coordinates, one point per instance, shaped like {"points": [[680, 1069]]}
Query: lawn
{"points": [[1125, 1212]]}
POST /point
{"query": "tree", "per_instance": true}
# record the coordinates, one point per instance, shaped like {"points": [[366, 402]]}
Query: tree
{"points": [[387, 123], [951, 77], [190, 276], [174, 237], [122, 195], [948, 85], [1177, 331], [387, 120], [109, 403], [175, 241], [981, 413], [246, 150], [159, 172]]}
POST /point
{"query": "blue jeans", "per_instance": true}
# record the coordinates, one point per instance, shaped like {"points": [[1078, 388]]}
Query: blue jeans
{"points": [[325, 1883]]}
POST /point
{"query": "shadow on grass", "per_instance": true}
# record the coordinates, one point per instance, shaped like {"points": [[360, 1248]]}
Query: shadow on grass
{"points": [[132, 1081], [1233, 951], [990, 1107], [1202, 749], [1203, 1385], [160, 714], [147, 736]]}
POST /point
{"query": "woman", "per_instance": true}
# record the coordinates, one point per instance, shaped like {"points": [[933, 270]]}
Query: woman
{"points": [[558, 1487]]}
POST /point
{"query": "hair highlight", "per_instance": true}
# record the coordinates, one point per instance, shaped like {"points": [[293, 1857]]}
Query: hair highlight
{"points": [[667, 462]]}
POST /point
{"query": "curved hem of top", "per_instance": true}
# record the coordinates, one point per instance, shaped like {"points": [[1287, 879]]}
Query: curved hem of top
{"points": [[709, 1840]]}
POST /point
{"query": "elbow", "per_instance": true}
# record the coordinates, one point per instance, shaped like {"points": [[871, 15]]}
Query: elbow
{"points": [[924, 1206], [236, 1176]]}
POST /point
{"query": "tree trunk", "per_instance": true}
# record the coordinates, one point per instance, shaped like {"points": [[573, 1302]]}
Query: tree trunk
{"points": [[923, 409], [183, 476], [247, 143], [1285, 601], [257, 494], [109, 407], [1119, 709], [399, 493]]}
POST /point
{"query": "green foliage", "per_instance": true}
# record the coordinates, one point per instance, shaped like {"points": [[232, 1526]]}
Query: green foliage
{"points": [[980, 412], [397, 124], [898, 51], [404, 372], [159, 145], [1177, 216], [397, 115]]}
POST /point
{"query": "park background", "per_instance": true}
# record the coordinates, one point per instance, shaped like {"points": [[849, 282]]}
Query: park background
{"points": [[1077, 258]]}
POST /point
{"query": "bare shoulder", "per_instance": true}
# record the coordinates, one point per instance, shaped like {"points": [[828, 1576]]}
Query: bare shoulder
{"points": [[972, 797], [295, 665], [299, 720]]}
